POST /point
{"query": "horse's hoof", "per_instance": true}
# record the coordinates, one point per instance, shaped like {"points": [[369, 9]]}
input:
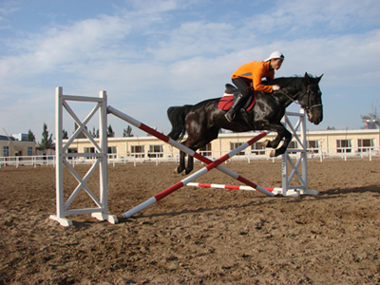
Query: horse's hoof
{"points": [[272, 153], [179, 170], [265, 143], [175, 170]]}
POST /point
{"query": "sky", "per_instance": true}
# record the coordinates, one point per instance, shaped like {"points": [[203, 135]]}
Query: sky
{"points": [[152, 54]]}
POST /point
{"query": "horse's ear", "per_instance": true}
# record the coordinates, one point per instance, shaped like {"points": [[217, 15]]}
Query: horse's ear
{"points": [[320, 77], [307, 77]]}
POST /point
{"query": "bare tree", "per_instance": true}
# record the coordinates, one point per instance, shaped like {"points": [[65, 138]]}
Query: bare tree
{"points": [[373, 116]]}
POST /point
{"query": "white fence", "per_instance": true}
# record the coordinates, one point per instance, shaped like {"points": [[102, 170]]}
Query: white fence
{"points": [[160, 157]]}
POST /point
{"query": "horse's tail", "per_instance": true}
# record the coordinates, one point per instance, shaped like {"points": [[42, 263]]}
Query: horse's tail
{"points": [[177, 117]]}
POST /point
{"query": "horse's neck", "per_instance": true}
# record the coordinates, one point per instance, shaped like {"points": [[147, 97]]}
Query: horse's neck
{"points": [[284, 97], [290, 88]]}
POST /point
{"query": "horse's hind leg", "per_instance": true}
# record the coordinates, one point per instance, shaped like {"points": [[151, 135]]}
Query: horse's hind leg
{"points": [[190, 164], [198, 142], [181, 165]]}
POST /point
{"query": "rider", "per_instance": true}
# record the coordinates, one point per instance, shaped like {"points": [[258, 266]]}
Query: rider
{"points": [[253, 72]]}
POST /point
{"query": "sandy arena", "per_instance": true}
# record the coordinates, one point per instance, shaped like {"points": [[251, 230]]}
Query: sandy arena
{"points": [[195, 235]]}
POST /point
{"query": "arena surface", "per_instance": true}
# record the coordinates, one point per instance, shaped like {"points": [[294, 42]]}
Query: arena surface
{"points": [[195, 235]]}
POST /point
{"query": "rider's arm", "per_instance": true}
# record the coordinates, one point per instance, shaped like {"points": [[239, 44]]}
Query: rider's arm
{"points": [[260, 71]]}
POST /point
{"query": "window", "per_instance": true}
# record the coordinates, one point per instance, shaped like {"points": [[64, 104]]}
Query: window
{"points": [[30, 151], [343, 146], [6, 151], [292, 145], [156, 150], [258, 148], [365, 145], [112, 150], [313, 146], [72, 150], [89, 150], [138, 150], [206, 150], [234, 145]]}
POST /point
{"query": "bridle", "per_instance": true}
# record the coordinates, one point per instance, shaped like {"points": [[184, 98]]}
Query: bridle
{"points": [[307, 108]]}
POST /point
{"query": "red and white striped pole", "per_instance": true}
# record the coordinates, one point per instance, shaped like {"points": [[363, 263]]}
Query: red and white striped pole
{"points": [[231, 187]]}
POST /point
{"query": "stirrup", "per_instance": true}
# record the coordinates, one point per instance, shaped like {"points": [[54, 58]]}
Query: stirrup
{"points": [[229, 116]]}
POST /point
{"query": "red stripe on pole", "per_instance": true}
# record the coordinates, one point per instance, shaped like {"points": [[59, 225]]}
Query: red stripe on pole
{"points": [[202, 158], [217, 162], [247, 182], [234, 187], [168, 191], [153, 132], [204, 184], [256, 138]]}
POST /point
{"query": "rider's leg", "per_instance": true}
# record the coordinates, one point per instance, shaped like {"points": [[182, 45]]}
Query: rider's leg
{"points": [[243, 86], [230, 115]]}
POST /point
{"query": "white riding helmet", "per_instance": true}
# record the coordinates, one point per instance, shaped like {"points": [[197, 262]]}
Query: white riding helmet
{"points": [[274, 55]]}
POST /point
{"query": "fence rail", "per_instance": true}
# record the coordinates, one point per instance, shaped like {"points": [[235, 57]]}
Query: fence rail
{"points": [[161, 157]]}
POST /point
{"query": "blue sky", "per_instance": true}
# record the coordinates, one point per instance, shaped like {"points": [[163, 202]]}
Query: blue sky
{"points": [[150, 55]]}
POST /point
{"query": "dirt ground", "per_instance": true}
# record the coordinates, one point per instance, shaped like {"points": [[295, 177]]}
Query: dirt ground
{"points": [[195, 235]]}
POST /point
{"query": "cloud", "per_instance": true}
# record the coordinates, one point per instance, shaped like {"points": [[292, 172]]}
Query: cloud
{"points": [[149, 55]]}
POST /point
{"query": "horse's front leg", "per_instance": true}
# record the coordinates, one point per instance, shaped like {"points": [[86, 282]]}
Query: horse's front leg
{"points": [[281, 150], [282, 132]]}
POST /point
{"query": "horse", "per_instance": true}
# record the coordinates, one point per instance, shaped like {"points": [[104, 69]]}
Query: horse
{"points": [[203, 121]]}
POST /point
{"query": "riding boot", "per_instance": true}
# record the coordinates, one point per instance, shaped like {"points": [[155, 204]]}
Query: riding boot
{"points": [[230, 115]]}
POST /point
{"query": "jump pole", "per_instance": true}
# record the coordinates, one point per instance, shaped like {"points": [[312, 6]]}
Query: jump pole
{"points": [[274, 190], [189, 151], [197, 174]]}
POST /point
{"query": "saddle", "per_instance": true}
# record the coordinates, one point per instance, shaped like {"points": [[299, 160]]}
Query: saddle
{"points": [[230, 94]]}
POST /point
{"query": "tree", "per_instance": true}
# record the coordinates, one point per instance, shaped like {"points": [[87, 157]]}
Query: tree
{"points": [[110, 132], [31, 137], [127, 132], [94, 133], [64, 135], [46, 141], [374, 116]]}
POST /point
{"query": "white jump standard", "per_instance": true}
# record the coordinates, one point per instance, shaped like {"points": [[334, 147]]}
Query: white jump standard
{"points": [[101, 210]]}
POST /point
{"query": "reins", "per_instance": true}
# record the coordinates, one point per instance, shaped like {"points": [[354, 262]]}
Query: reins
{"points": [[308, 107]]}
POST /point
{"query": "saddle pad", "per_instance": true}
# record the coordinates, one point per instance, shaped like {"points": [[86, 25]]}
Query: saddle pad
{"points": [[225, 103]]}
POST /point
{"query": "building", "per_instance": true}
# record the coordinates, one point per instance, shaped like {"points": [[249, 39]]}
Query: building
{"points": [[327, 143], [12, 147]]}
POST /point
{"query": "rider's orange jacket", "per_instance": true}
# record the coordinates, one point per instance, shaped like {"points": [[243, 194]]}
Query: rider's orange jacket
{"points": [[255, 71]]}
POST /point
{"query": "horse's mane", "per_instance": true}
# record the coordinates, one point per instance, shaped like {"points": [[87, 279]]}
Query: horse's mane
{"points": [[287, 81]]}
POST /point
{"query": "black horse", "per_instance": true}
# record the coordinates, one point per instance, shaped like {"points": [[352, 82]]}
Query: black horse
{"points": [[203, 121]]}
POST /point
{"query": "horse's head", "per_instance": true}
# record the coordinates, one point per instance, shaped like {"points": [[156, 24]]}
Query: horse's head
{"points": [[311, 99]]}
